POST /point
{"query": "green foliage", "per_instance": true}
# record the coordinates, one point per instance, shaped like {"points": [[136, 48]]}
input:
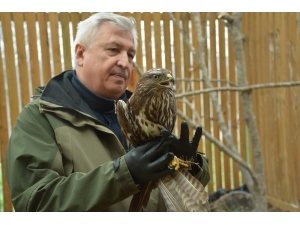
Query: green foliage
{"points": [[1, 192]]}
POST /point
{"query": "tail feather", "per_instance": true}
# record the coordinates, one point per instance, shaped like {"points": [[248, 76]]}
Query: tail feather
{"points": [[171, 198], [184, 193]]}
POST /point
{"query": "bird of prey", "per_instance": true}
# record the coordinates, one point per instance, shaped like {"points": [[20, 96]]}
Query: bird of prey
{"points": [[151, 108]]}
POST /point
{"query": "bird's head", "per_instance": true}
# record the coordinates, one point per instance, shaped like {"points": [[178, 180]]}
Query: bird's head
{"points": [[158, 78]]}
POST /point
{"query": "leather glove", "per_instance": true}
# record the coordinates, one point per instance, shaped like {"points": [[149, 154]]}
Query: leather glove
{"points": [[149, 161], [183, 147]]}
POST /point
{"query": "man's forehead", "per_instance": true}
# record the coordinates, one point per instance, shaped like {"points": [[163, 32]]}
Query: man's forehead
{"points": [[113, 36], [106, 28]]}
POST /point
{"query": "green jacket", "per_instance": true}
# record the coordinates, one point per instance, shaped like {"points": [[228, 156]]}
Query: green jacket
{"points": [[60, 157]]}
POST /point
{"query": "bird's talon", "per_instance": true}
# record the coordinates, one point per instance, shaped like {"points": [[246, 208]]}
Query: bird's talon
{"points": [[176, 163]]}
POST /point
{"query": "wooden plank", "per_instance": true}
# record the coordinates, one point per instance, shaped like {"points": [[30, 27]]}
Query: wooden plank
{"points": [[10, 67], [167, 40], [215, 76], [198, 103], [292, 32], [177, 65], [223, 76], [256, 76], [232, 110], [279, 95], [13, 98], [285, 114], [197, 85], [260, 95], [273, 135], [64, 18], [297, 44], [265, 145], [33, 52], [266, 151], [245, 143], [256, 59], [186, 68], [22, 58], [216, 163], [85, 15], [134, 76], [127, 14], [133, 80], [75, 19], [206, 99], [4, 137], [44, 43], [139, 50], [56, 54], [148, 45], [296, 122], [157, 39], [293, 117], [283, 205]]}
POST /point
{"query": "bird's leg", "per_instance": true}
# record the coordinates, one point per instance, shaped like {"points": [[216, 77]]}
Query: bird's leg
{"points": [[176, 163]]}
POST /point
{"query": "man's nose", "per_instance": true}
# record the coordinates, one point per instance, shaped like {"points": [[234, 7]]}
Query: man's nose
{"points": [[123, 60]]}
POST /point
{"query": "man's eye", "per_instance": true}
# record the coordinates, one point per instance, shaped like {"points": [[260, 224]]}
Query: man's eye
{"points": [[131, 56], [113, 49]]}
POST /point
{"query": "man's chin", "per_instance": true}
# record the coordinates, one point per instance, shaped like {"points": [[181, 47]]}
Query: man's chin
{"points": [[117, 92]]}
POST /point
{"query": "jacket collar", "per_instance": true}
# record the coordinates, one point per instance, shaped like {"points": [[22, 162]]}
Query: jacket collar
{"points": [[96, 102], [60, 91]]}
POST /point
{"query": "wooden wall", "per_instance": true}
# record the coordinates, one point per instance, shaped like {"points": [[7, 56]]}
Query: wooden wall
{"points": [[37, 46]]}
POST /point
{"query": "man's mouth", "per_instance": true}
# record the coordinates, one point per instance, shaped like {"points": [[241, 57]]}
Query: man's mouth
{"points": [[119, 73]]}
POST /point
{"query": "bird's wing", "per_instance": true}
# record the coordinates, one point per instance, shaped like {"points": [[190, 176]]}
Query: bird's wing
{"points": [[126, 122], [183, 193], [169, 194]]}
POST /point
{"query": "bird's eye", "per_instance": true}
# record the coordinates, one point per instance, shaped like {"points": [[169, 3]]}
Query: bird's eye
{"points": [[155, 77]]}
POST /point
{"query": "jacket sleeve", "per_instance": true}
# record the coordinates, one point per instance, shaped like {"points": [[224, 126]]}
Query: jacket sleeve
{"points": [[203, 175], [35, 186]]}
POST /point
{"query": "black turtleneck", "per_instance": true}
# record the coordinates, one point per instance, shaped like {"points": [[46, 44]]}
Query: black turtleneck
{"points": [[103, 108]]}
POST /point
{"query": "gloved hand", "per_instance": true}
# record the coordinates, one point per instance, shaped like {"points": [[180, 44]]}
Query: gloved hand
{"points": [[183, 147], [149, 161]]}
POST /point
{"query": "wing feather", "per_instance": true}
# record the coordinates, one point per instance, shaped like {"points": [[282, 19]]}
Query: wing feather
{"points": [[126, 121], [192, 192]]}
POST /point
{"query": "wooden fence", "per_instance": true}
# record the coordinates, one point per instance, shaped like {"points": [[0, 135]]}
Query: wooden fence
{"points": [[37, 46]]}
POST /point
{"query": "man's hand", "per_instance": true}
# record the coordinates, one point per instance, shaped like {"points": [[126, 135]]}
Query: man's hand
{"points": [[149, 161], [183, 147]]}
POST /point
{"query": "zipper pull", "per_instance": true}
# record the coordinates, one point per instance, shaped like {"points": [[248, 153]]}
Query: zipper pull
{"points": [[115, 102]]}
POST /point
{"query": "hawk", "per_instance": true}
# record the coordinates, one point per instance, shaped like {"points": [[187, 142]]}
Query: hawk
{"points": [[151, 108]]}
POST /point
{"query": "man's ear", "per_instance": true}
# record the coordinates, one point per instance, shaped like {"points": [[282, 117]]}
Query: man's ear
{"points": [[79, 54]]}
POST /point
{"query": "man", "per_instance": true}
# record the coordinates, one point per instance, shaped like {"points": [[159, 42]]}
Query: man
{"points": [[66, 151]]}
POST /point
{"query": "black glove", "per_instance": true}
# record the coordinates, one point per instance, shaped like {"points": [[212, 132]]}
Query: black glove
{"points": [[149, 161], [183, 147]]}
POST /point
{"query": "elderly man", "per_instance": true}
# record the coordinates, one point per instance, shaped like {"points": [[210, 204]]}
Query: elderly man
{"points": [[66, 151]]}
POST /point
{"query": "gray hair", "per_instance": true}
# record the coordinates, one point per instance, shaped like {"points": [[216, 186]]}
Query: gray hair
{"points": [[87, 29]]}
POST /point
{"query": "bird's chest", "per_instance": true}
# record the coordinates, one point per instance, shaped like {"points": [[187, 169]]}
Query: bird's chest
{"points": [[154, 112]]}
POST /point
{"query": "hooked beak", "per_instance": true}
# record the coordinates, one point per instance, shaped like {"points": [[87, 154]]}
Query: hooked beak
{"points": [[168, 83]]}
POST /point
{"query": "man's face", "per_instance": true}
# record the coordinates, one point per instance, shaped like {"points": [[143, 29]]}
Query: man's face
{"points": [[105, 67]]}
